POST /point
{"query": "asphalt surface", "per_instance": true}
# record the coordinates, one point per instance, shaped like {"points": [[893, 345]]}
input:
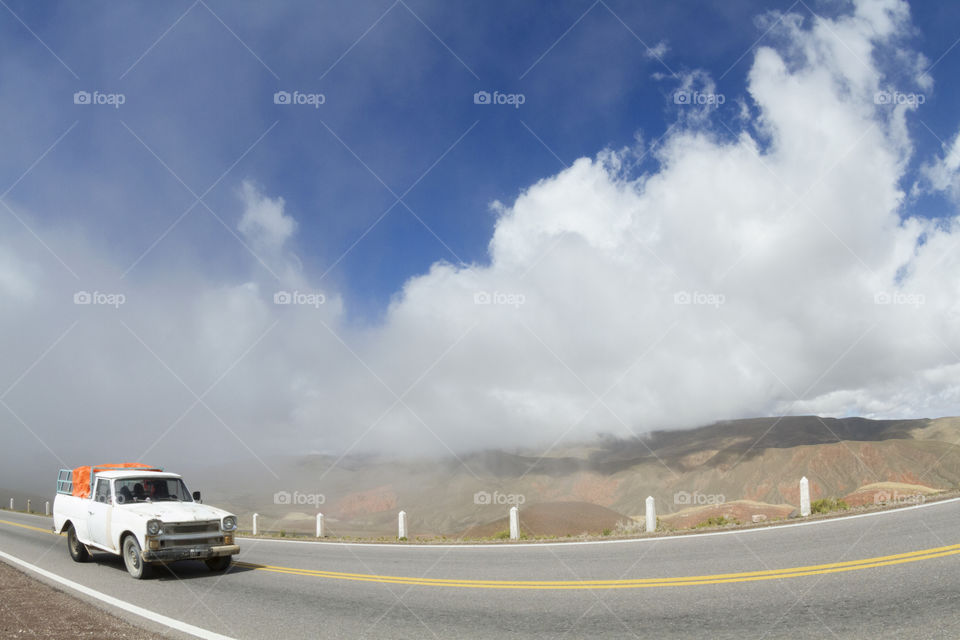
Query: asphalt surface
{"points": [[299, 590]]}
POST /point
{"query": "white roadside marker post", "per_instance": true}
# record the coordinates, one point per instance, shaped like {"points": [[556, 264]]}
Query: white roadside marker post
{"points": [[11, 504], [28, 505], [804, 496], [256, 518], [319, 525], [651, 515], [514, 523], [46, 508], [402, 525]]}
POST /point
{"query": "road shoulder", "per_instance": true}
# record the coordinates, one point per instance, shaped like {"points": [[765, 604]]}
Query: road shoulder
{"points": [[30, 608]]}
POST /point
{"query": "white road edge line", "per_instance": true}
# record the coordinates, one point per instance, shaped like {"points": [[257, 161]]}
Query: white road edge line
{"points": [[116, 602], [537, 545]]}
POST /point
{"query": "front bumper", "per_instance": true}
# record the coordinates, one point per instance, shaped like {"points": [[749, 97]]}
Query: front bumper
{"points": [[189, 552]]}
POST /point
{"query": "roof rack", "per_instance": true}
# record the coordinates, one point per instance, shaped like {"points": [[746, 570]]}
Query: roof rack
{"points": [[76, 482], [65, 481]]}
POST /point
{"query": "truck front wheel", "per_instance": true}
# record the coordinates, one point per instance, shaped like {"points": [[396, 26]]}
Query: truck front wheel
{"points": [[78, 550], [136, 567]]}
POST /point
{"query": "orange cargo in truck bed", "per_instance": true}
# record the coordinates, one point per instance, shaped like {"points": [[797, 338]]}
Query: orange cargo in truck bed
{"points": [[81, 475]]}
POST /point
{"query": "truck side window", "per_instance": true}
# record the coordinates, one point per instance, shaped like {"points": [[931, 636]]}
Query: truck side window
{"points": [[103, 491]]}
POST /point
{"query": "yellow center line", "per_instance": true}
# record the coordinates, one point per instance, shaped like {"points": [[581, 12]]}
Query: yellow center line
{"points": [[634, 583], [637, 583], [27, 526]]}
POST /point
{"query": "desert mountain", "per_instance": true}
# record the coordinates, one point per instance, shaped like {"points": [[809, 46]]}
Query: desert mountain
{"points": [[760, 460]]}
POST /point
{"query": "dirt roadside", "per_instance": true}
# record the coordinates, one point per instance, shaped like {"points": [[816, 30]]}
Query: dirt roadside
{"points": [[31, 609]]}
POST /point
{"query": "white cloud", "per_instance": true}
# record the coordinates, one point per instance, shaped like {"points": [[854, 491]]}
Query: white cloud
{"points": [[14, 281], [796, 234], [944, 173], [781, 238], [658, 51], [263, 221]]}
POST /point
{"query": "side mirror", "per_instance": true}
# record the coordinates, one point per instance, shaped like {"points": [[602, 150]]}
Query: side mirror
{"points": [[196, 496]]}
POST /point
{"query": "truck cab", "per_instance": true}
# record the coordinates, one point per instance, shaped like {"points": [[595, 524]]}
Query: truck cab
{"points": [[142, 513]]}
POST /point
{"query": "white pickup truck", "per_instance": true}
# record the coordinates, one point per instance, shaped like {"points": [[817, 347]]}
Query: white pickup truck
{"points": [[142, 513]]}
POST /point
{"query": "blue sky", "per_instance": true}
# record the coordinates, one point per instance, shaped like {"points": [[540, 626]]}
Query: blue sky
{"points": [[398, 79], [485, 275]]}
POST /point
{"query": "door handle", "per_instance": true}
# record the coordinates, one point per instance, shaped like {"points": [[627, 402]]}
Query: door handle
{"points": [[90, 512]]}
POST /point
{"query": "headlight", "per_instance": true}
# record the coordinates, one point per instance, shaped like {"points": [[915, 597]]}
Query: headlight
{"points": [[153, 527], [229, 523]]}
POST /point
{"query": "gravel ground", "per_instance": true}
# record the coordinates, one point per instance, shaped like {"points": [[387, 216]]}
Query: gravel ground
{"points": [[31, 609]]}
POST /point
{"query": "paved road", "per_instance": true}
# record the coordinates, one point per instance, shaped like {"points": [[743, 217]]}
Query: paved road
{"points": [[896, 574]]}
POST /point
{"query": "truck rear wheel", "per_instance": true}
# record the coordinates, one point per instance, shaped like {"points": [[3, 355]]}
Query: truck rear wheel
{"points": [[220, 563], [78, 550], [136, 567]]}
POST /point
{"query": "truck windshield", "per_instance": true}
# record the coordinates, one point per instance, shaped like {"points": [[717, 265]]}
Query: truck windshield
{"points": [[151, 489]]}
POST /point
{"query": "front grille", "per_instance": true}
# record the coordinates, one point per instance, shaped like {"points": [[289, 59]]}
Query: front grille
{"points": [[175, 528], [189, 534]]}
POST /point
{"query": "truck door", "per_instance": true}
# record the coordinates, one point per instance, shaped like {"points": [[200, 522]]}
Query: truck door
{"points": [[99, 513]]}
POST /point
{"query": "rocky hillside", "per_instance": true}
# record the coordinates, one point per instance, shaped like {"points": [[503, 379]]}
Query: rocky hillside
{"points": [[759, 460]]}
